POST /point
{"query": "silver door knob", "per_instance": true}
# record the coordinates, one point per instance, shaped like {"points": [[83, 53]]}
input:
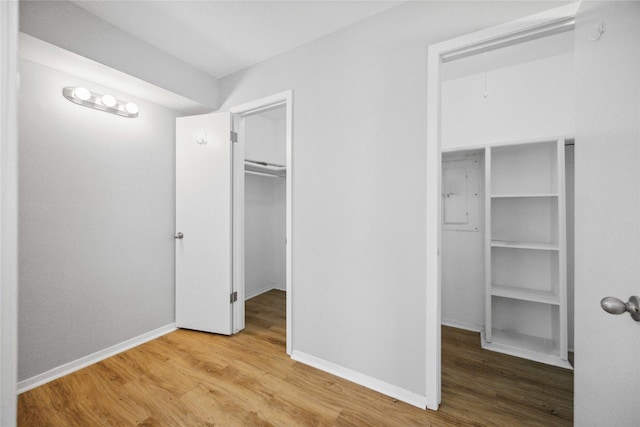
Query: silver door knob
{"points": [[179, 235], [615, 306]]}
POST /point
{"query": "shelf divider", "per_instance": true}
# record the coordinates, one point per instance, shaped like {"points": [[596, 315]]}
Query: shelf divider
{"points": [[524, 245], [520, 345]]}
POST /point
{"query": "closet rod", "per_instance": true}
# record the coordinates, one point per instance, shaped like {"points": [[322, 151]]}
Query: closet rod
{"points": [[558, 26], [257, 162]]}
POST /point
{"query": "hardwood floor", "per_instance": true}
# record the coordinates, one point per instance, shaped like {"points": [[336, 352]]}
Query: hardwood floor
{"points": [[189, 378]]}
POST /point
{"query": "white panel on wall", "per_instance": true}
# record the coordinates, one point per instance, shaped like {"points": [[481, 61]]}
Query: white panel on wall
{"points": [[461, 192], [96, 200], [454, 182]]}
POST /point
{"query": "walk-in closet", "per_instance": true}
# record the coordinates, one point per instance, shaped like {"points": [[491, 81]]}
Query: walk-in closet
{"points": [[507, 197], [265, 201]]}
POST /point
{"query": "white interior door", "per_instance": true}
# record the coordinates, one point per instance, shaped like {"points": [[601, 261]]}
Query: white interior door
{"points": [[607, 206], [204, 219]]}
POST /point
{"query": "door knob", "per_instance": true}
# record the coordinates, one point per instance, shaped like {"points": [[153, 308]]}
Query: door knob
{"points": [[179, 235], [615, 306]]}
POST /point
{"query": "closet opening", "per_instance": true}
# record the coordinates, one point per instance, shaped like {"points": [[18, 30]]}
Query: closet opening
{"points": [[262, 208], [504, 114], [507, 217]]}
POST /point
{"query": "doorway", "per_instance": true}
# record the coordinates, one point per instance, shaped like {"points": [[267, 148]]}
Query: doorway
{"points": [[511, 110], [480, 45], [262, 203]]}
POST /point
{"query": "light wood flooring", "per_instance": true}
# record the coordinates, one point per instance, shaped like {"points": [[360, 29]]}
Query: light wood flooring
{"points": [[189, 378]]}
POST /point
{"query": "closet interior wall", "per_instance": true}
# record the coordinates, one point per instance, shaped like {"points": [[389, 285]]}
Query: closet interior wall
{"points": [[265, 204], [520, 92]]}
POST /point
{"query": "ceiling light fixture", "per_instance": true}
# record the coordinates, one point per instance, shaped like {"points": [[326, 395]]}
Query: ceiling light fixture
{"points": [[107, 103]]}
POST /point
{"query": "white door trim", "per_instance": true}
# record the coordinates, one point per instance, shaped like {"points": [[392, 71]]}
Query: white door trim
{"points": [[504, 34], [253, 107], [8, 212]]}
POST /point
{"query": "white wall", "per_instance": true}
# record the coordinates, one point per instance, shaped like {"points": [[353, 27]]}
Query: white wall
{"points": [[530, 94], [265, 205], [359, 191], [266, 137], [569, 156], [462, 268], [281, 135], [96, 200], [264, 234], [68, 26], [280, 231]]}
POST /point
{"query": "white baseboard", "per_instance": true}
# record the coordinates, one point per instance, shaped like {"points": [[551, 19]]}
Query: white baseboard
{"points": [[461, 325], [361, 379], [85, 361], [261, 291]]}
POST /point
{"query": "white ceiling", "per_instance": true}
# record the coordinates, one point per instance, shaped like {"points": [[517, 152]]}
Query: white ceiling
{"points": [[222, 37]]}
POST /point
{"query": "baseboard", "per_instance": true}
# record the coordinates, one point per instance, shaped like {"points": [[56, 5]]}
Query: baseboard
{"points": [[261, 291], [361, 379], [461, 325], [85, 361]]}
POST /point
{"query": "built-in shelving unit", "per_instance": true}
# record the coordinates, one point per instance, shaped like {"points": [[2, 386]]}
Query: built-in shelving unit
{"points": [[525, 252]]}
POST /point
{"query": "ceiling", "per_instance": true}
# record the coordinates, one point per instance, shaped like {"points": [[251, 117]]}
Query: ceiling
{"points": [[222, 37]]}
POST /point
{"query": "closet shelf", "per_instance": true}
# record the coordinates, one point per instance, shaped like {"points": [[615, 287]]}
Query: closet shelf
{"points": [[525, 225], [525, 245], [532, 295], [265, 168], [523, 195], [527, 346]]}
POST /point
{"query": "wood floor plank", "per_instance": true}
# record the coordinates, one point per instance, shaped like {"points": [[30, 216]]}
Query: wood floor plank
{"points": [[190, 378]]}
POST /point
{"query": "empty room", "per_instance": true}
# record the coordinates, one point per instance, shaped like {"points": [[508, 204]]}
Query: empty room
{"points": [[320, 213]]}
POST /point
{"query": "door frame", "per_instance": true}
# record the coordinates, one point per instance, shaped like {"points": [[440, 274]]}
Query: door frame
{"points": [[529, 27], [8, 212], [238, 114]]}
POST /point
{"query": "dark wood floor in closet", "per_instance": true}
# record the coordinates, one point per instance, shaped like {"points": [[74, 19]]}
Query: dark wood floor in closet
{"points": [[188, 378]]}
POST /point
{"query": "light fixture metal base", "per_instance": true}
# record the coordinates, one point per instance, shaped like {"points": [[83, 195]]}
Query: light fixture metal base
{"points": [[94, 102]]}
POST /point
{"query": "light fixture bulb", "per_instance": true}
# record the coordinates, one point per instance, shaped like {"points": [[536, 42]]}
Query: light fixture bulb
{"points": [[108, 101], [82, 93], [131, 108]]}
